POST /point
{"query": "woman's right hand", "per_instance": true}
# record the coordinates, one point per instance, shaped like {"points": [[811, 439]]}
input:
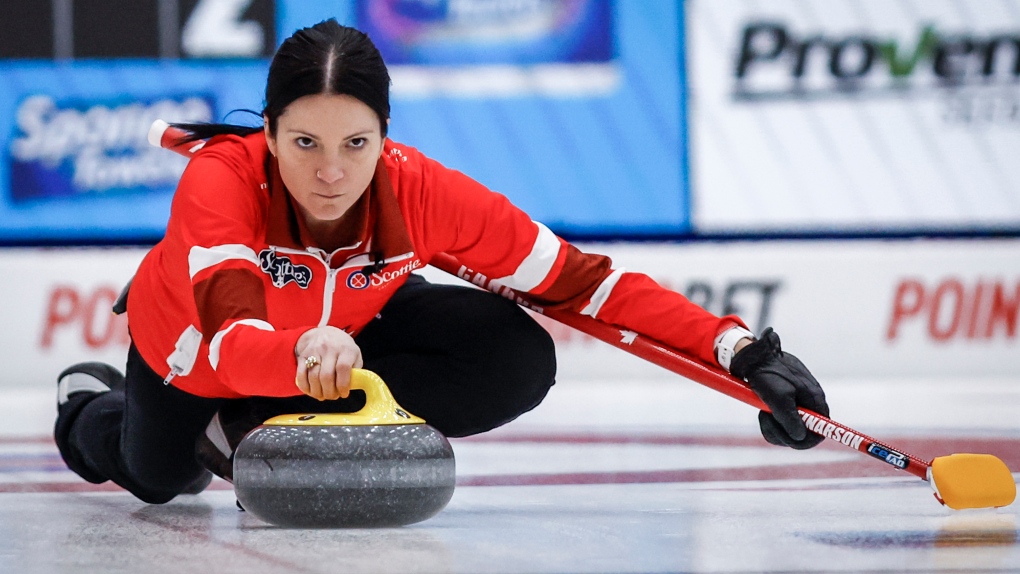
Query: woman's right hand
{"points": [[335, 354]]}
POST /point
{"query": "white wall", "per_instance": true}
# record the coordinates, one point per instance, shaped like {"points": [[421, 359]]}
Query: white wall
{"points": [[933, 308], [936, 308], [55, 310]]}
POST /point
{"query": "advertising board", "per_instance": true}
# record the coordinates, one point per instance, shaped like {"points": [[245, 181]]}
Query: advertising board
{"points": [[572, 108], [854, 115], [468, 33], [79, 85], [863, 309], [850, 309]]}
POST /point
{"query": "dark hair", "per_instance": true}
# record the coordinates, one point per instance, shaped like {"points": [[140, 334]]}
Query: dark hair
{"points": [[326, 58]]}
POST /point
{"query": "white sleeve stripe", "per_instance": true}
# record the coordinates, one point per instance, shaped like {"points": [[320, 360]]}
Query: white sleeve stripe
{"points": [[602, 294], [537, 265], [200, 258], [214, 345]]}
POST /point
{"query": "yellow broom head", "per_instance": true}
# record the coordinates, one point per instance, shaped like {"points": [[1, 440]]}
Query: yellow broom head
{"points": [[972, 481]]}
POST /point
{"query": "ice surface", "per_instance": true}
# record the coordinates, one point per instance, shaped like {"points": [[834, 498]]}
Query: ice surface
{"points": [[631, 476]]}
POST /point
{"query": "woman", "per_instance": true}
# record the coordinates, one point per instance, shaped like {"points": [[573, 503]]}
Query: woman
{"points": [[287, 261]]}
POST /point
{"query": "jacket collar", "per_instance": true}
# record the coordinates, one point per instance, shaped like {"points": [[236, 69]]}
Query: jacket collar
{"points": [[376, 215]]}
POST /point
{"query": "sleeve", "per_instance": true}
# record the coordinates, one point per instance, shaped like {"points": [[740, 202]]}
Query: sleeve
{"points": [[219, 219], [488, 234]]}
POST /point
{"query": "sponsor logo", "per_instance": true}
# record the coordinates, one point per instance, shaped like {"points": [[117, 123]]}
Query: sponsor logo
{"points": [[87, 149], [888, 455], [383, 277], [775, 60], [358, 280], [282, 270], [831, 431], [955, 309], [751, 299], [366, 278], [502, 290], [75, 315]]}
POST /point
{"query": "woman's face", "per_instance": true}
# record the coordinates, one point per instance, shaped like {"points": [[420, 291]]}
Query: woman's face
{"points": [[327, 146]]}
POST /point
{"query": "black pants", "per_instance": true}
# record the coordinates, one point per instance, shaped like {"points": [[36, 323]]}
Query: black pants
{"points": [[463, 359]]}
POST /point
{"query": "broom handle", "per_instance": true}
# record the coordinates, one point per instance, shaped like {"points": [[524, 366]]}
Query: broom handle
{"points": [[672, 360], [163, 135]]}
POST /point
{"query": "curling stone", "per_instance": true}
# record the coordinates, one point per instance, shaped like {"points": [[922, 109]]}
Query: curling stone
{"points": [[380, 466]]}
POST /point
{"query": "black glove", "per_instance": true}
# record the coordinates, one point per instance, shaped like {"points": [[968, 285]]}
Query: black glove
{"points": [[783, 383]]}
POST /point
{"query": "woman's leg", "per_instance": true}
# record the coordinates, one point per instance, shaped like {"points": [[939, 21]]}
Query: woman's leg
{"points": [[141, 436], [465, 360]]}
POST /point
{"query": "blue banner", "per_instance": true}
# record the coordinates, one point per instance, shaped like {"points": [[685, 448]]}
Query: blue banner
{"points": [[574, 109], [83, 150], [452, 32], [76, 165]]}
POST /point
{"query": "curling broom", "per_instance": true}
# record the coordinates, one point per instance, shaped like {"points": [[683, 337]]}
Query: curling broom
{"points": [[959, 480]]}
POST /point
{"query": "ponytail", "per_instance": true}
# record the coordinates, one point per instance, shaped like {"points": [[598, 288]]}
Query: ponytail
{"points": [[204, 131]]}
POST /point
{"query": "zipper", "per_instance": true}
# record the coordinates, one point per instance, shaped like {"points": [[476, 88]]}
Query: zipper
{"points": [[173, 373], [331, 274], [185, 352], [327, 296]]}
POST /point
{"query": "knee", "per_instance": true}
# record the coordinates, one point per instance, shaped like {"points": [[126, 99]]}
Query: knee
{"points": [[163, 493], [155, 497], [534, 355], [516, 377], [161, 484], [523, 353]]}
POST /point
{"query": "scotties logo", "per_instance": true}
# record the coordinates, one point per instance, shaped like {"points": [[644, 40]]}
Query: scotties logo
{"points": [[283, 271]]}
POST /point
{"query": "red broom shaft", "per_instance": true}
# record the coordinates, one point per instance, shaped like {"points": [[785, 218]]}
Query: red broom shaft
{"points": [[712, 377]]}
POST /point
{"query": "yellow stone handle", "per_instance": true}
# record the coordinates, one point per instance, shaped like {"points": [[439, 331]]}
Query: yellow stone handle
{"points": [[380, 407]]}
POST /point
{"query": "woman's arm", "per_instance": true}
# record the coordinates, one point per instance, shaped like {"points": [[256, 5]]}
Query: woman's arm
{"points": [[217, 221], [485, 232], [489, 235]]}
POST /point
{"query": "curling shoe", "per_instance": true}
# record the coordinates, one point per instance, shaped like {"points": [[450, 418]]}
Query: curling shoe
{"points": [[90, 378], [77, 386], [215, 448]]}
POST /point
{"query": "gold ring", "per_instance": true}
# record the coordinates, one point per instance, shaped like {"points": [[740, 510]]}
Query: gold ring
{"points": [[311, 362]]}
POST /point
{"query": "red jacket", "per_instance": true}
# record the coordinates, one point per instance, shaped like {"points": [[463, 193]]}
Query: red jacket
{"points": [[223, 298]]}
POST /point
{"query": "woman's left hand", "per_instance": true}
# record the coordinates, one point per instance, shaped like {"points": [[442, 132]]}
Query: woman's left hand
{"points": [[784, 384]]}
